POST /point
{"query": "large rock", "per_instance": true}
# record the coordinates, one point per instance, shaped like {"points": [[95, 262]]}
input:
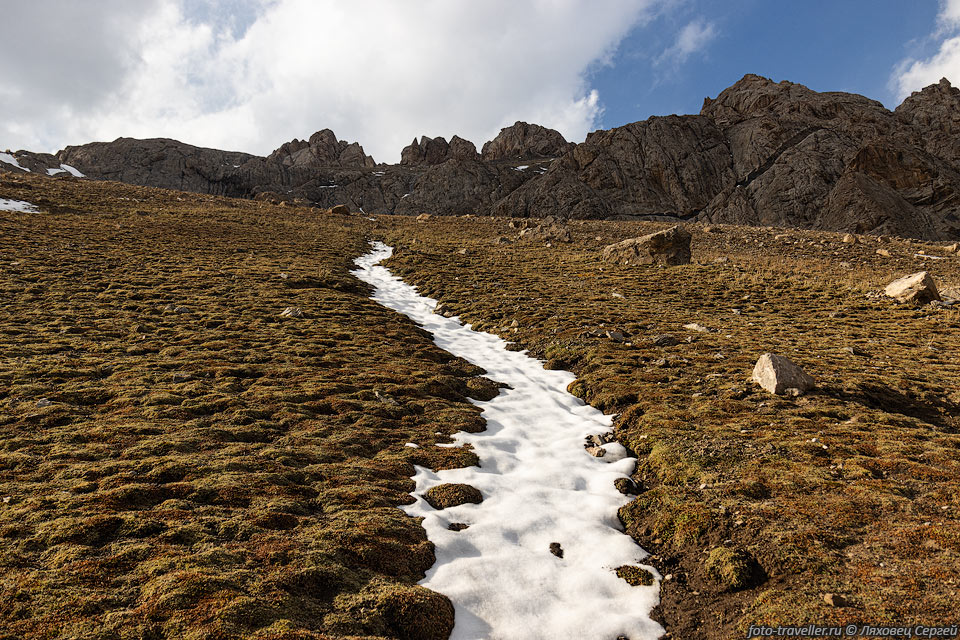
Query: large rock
{"points": [[916, 288], [778, 375], [523, 141], [670, 246]]}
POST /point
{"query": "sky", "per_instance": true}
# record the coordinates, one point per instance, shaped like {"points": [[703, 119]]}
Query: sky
{"points": [[249, 75]]}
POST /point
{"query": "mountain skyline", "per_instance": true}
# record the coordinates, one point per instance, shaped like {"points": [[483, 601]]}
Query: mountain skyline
{"points": [[248, 74]]}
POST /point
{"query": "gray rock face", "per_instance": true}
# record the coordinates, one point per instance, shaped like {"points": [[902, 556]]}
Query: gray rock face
{"points": [[916, 288], [673, 165], [670, 247], [173, 165], [935, 108], [522, 141], [458, 187], [778, 375]]}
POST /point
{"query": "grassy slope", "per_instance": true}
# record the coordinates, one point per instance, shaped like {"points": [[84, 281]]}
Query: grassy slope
{"points": [[223, 473], [757, 505], [215, 473]]}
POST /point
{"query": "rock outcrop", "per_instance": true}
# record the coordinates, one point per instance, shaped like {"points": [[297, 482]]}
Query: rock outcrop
{"points": [[431, 151], [522, 141], [323, 149], [173, 165]]}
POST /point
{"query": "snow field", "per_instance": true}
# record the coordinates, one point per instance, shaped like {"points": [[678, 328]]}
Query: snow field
{"points": [[539, 487]]}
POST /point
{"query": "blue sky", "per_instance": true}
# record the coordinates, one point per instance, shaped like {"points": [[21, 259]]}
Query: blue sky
{"points": [[249, 75], [843, 45]]}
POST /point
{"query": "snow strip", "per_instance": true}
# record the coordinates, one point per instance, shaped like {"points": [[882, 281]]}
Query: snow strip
{"points": [[539, 486], [9, 159], [17, 205], [52, 172]]}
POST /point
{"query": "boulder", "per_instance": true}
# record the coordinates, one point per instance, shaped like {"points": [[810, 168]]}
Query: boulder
{"points": [[340, 209], [916, 288], [779, 375], [670, 247]]}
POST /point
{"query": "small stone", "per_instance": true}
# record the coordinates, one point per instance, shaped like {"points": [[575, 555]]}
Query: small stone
{"points": [[693, 326], [44, 402], [616, 336], [457, 526], [849, 238], [556, 549], [855, 351], [423, 217], [340, 209], [883, 252], [834, 599], [626, 486], [664, 340], [292, 312], [596, 451]]}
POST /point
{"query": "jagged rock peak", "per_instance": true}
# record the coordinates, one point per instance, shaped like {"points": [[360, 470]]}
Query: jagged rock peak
{"points": [[429, 151], [523, 141], [754, 95], [323, 149], [935, 108]]}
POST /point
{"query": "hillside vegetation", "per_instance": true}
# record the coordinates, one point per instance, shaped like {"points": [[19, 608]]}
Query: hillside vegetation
{"points": [[178, 460]]}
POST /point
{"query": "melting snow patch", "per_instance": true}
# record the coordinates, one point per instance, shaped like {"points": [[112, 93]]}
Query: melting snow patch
{"points": [[17, 205], [65, 168], [539, 487], [521, 167], [9, 159]]}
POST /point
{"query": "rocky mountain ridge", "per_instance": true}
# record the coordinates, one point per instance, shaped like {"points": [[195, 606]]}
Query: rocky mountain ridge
{"points": [[760, 153]]}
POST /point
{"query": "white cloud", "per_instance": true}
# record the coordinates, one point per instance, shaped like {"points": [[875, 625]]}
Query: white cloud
{"points": [[694, 37], [379, 72], [912, 75]]}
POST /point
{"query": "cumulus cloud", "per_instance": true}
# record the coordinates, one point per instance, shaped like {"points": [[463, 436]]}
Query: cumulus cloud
{"points": [[694, 37], [252, 74], [912, 75]]}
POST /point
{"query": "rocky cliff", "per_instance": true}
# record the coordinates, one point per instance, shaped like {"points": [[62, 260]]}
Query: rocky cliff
{"points": [[760, 153]]}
